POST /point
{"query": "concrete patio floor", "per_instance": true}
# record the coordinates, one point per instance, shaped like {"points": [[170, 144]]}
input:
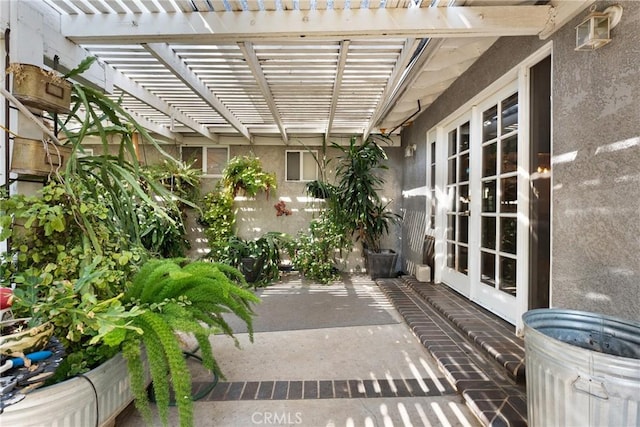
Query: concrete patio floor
{"points": [[337, 355]]}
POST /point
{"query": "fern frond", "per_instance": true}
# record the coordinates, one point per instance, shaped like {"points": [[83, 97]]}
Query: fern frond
{"points": [[180, 375], [208, 361], [158, 367], [188, 297], [218, 320], [140, 279], [157, 280], [232, 274], [148, 278], [131, 353]]}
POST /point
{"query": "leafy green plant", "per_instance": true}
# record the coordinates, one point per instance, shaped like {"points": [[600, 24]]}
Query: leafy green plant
{"points": [[47, 235], [168, 238], [319, 189], [80, 319], [118, 181], [58, 275], [180, 178], [314, 250], [218, 218], [356, 203], [269, 248], [257, 259], [74, 246], [244, 174], [74, 249], [178, 296]]}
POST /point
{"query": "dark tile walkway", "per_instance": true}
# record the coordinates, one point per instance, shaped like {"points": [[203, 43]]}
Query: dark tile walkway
{"points": [[323, 389], [478, 353]]}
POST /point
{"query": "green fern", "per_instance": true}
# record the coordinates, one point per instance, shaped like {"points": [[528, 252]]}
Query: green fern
{"points": [[178, 296], [180, 376], [150, 272], [131, 353]]}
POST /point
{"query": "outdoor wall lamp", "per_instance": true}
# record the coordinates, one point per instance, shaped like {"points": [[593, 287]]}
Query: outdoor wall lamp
{"points": [[408, 152], [593, 31]]}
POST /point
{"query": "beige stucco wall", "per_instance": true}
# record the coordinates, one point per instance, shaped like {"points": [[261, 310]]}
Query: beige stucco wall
{"points": [[257, 216]]}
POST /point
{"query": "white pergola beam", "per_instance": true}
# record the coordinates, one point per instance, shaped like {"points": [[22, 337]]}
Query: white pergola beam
{"points": [[163, 53], [342, 61], [155, 128], [216, 27], [394, 80], [254, 64], [143, 95], [562, 13]]}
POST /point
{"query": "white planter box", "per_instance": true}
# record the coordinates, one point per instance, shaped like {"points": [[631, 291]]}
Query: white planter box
{"points": [[72, 403]]}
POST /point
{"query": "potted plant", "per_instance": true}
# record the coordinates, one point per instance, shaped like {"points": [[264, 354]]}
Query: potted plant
{"points": [[259, 260], [78, 258], [315, 250], [357, 204], [40, 88], [44, 90], [244, 175]]}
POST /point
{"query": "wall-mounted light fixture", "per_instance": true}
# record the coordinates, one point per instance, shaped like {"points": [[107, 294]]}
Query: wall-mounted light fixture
{"points": [[594, 30], [409, 150]]}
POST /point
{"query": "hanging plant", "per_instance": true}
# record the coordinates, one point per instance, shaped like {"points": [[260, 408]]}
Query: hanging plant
{"points": [[244, 175]]}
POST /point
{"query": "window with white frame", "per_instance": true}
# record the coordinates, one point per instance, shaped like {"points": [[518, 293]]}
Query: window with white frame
{"points": [[301, 166], [211, 160]]}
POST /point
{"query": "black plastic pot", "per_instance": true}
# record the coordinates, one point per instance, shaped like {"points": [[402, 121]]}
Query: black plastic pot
{"points": [[382, 265], [250, 267]]}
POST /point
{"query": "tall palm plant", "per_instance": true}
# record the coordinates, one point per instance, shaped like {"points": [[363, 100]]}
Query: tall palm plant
{"points": [[356, 202]]}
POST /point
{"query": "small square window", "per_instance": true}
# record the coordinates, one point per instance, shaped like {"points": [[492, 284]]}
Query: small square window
{"points": [[301, 166], [211, 160]]}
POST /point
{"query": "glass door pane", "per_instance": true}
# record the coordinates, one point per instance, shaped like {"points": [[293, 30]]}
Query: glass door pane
{"points": [[458, 192], [498, 219]]}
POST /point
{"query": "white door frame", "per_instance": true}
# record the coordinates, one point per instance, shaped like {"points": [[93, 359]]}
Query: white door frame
{"points": [[517, 78]]}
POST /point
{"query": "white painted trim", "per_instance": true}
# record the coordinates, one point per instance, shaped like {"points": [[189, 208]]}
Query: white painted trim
{"points": [[163, 53], [495, 300], [431, 138], [524, 206], [210, 27], [440, 247], [475, 189], [459, 281]]}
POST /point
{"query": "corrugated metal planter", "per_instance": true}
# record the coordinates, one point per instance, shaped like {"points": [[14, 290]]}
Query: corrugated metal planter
{"points": [[38, 158], [74, 402], [40, 89], [583, 369]]}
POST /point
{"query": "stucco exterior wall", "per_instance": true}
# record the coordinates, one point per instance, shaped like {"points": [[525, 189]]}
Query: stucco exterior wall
{"points": [[596, 156], [596, 175], [256, 216]]}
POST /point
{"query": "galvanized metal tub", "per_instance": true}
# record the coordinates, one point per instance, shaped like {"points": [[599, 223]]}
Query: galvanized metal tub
{"points": [[583, 369]]}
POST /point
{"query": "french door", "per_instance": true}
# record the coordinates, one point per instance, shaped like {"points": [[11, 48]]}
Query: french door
{"points": [[458, 143], [481, 191], [496, 284]]}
